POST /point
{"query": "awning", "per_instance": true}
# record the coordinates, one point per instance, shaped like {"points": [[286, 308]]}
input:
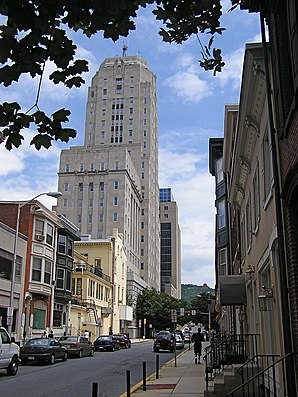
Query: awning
{"points": [[232, 290]]}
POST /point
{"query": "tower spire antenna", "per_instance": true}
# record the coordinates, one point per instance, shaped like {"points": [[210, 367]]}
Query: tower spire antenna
{"points": [[124, 49]]}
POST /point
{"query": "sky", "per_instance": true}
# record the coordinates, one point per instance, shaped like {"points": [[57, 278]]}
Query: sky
{"points": [[191, 105]]}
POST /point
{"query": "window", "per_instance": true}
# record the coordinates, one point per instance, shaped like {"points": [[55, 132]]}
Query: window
{"points": [[66, 187], [60, 279], [267, 165], [116, 185], [6, 259], [130, 110], [221, 214], [145, 145], [101, 202], [47, 272], [91, 167], [102, 166], [256, 198], [62, 244], [100, 217], [79, 286], [223, 262], [248, 223], [68, 280], [115, 216], [142, 225], [79, 219], [129, 132], [50, 234], [142, 238], [70, 247], [142, 265], [67, 167], [142, 211], [80, 203], [142, 175], [65, 202], [145, 132], [219, 170], [89, 218], [104, 91], [36, 269], [142, 251], [39, 227], [91, 187], [90, 203], [145, 110], [145, 122], [101, 186], [116, 165], [80, 187], [81, 167], [115, 200]]}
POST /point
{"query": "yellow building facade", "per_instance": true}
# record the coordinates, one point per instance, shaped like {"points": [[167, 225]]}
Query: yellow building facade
{"points": [[99, 287]]}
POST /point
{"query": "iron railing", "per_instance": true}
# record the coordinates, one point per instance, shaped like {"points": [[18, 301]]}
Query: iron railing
{"points": [[270, 381], [227, 349]]}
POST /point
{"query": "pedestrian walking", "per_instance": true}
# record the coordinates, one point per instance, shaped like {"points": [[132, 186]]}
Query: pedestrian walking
{"points": [[86, 334], [197, 339]]}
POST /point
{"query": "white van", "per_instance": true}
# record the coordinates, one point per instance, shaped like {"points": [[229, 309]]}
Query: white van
{"points": [[9, 353]]}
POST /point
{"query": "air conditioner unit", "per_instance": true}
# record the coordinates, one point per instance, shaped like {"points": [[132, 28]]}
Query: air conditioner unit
{"points": [[39, 237]]}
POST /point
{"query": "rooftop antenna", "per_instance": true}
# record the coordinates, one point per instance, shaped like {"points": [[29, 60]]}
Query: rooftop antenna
{"points": [[124, 49]]}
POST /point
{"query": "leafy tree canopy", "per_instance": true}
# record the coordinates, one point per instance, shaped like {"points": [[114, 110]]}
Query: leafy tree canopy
{"points": [[156, 307], [37, 31]]}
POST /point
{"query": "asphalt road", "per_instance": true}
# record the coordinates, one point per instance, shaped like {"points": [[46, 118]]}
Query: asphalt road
{"points": [[74, 377]]}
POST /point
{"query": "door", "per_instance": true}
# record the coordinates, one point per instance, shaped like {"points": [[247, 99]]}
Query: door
{"points": [[5, 349]]}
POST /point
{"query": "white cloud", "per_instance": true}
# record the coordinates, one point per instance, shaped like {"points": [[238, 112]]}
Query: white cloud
{"points": [[188, 86], [231, 73]]}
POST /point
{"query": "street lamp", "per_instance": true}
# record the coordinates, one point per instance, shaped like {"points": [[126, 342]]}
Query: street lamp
{"points": [[20, 205]]}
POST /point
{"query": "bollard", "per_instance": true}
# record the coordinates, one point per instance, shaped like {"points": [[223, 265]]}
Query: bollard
{"points": [[144, 376], [94, 389], [157, 366], [128, 383]]}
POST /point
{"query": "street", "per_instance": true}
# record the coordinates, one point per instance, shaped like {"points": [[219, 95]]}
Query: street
{"points": [[74, 377]]}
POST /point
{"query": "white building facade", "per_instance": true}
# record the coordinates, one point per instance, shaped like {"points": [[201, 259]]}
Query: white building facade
{"points": [[112, 181]]}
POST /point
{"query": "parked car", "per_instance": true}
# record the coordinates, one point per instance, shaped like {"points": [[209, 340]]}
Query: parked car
{"points": [[77, 346], [187, 336], [9, 353], [106, 343], [179, 341], [43, 350], [163, 340], [123, 340]]}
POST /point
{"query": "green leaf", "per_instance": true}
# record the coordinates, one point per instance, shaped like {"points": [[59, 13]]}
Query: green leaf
{"points": [[61, 115], [41, 140]]}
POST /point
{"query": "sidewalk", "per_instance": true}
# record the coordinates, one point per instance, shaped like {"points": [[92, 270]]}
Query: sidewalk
{"points": [[186, 379]]}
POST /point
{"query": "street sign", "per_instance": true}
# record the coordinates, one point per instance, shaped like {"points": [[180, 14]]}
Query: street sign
{"points": [[193, 312], [174, 315], [181, 311]]}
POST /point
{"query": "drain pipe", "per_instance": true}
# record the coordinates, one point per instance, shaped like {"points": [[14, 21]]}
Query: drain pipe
{"points": [[284, 297]]}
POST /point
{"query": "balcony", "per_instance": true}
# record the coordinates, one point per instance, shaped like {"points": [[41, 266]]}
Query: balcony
{"points": [[82, 267]]}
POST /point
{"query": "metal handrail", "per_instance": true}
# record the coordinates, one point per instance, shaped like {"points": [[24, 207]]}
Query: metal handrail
{"points": [[227, 349], [271, 380]]}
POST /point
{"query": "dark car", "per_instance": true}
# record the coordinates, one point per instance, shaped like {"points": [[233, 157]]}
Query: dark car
{"points": [[164, 340], [43, 350], [77, 346], [106, 343], [123, 340]]}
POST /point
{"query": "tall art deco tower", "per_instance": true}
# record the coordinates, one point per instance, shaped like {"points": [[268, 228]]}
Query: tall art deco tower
{"points": [[112, 181]]}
